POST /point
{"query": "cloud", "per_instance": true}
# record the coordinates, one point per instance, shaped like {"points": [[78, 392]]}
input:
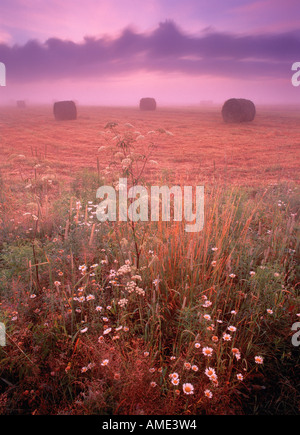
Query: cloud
{"points": [[166, 49]]}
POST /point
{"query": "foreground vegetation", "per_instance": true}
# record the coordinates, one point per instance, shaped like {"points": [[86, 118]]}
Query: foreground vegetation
{"points": [[145, 318]]}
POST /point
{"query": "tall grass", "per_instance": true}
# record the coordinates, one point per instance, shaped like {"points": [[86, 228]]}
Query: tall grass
{"points": [[99, 316]]}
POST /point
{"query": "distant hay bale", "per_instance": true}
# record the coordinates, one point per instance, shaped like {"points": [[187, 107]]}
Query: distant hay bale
{"points": [[65, 111], [238, 110], [21, 104], [147, 104]]}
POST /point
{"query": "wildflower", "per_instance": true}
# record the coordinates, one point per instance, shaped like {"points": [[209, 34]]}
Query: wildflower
{"points": [[233, 312], [208, 394], [125, 329], [174, 375], [213, 263], [84, 330], [215, 338], [106, 331], [236, 353], [252, 273], [269, 311], [226, 337], [259, 359], [210, 372], [231, 328], [207, 317], [146, 354], [187, 365], [276, 274], [98, 308], [156, 282], [137, 277], [101, 339], [32, 296], [214, 379], [123, 302], [118, 328], [197, 345], [175, 381], [172, 358], [232, 275], [240, 377], [140, 291], [152, 370], [207, 304], [207, 351], [82, 268], [188, 388], [90, 297], [195, 368], [105, 362], [214, 249], [153, 384], [84, 369], [105, 319]]}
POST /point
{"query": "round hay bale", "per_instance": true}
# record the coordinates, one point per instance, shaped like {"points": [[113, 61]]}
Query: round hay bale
{"points": [[238, 110], [21, 104], [65, 111], [147, 104]]}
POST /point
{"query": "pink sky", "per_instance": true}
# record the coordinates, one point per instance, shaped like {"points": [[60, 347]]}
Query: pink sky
{"points": [[206, 50]]}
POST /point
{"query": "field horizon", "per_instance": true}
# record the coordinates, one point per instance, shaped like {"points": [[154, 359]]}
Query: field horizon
{"points": [[142, 318], [203, 147]]}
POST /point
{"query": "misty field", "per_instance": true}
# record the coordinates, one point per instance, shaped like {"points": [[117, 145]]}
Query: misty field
{"points": [[131, 318]]}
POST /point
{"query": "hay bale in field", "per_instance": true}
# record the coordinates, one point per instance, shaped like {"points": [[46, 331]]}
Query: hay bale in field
{"points": [[65, 110], [21, 104], [238, 110], [147, 104]]}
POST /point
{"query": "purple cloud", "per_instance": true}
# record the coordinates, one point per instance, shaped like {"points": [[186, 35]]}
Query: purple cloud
{"points": [[166, 49]]}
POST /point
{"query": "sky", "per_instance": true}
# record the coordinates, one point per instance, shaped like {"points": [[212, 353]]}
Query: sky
{"points": [[181, 52]]}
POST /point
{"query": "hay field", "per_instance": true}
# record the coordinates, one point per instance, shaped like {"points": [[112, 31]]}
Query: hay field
{"points": [[202, 149], [143, 318]]}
